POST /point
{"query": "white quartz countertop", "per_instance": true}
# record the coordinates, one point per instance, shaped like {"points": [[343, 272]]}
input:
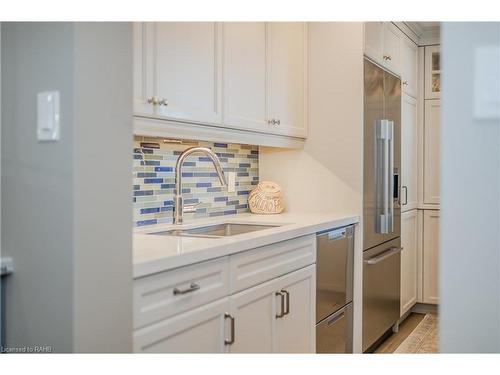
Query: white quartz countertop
{"points": [[156, 253]]}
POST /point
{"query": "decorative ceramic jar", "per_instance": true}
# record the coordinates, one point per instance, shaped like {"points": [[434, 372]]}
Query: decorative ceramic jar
{"points": [[266, 198]]}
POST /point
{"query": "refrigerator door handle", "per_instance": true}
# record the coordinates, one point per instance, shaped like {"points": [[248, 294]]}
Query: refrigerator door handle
{"points": [[386, 254], [384, 175]]}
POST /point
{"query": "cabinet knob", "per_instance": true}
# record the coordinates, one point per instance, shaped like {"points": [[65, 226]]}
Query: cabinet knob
{"points": [[387, 57], [153, 100], [271, 122], [278, 122], [163, 101], [405, 83]]}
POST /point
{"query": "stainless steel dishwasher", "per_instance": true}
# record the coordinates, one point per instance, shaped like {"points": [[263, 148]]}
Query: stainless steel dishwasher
{"points": [[334, 288]]}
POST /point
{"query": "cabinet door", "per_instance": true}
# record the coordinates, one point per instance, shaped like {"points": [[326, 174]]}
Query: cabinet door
{"points": [[201, 330], [287, 58], [143, 77], [295, 331], [430, 256], [409, 158], [373, 40], [254, 313], [244, 72], [431, 151], [409, 63], [432, 72], [391, 43], [186, 70], [409, 259]]}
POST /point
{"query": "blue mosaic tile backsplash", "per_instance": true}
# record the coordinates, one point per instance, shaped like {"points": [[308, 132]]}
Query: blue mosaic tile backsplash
{"points": [[154, 180]]}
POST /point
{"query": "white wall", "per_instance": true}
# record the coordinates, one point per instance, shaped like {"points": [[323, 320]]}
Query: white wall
{"points": [[327, 174], [66, 212], [469, 270]]}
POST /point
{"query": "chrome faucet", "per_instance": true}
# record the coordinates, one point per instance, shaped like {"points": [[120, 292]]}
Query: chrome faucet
{"points": [[179, 208]]}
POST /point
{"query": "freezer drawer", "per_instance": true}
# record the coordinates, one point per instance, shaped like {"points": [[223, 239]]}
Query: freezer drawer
{"points": [[334, 334], [381, 290], [334, 271]]}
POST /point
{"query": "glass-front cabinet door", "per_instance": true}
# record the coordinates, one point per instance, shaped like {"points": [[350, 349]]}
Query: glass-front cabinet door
{"points": [[432, 72]]}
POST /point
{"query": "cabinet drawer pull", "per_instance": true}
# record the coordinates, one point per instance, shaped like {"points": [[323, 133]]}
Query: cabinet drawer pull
{"points": [[287, 302], [282, 300], [406, 195], [190, 289], [405, 83], [336, 318], [231, 339], [163, 102], [278, 122]]}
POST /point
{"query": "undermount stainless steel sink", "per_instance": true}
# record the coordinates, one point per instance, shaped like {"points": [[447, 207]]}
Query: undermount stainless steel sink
{"points": [[217, 230]]}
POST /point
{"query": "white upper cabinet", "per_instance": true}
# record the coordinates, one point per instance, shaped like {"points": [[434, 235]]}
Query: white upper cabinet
{"points": [[374, 41], [244, 72], [431, 151], [409, 153], [182, 70], [382, 44], [143, 84], [287, 78], [391, 43], [245, 75], [409, 64], [432, 72]]}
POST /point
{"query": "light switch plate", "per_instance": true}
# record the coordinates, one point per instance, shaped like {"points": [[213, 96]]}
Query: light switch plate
{"points": [[48, 117]]}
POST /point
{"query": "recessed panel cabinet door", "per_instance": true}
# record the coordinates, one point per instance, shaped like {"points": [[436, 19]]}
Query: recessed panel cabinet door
{"points": [[254, 313], [409, 158], [287, 60], [186, 69], [373, 40], [391, 45], [244, 72], [409, 265], [201, 330], [296, 329], [431, 151], [409, 61], [143, 77], [430, 256]]}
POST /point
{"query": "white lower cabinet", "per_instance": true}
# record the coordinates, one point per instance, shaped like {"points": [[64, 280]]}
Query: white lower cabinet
{"points": [[430, 256], [265, 309], [254, 313], [201, 330], [295, 331], [277, 316], [409, 260]]}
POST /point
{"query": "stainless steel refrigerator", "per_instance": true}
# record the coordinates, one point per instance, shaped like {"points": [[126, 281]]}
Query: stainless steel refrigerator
{"points": [[381, 202]]}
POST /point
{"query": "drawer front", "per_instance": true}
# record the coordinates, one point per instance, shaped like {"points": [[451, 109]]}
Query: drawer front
{"points": [[265, 263], [165, 294]]}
